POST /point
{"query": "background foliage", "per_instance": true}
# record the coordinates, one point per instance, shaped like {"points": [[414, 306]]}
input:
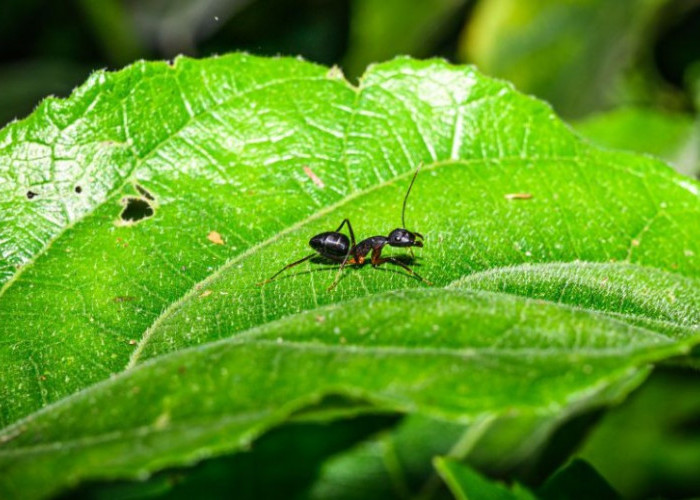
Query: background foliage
{"points": [[625, 74]]}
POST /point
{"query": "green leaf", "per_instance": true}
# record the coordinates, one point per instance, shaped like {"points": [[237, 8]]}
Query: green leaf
{"points": [[673, 137], [466, 483], [133, 346], [254, 473], [657, 426], [546, 47], [654, 299], [221, 396], [577, 480], [396, 463], [574, 480]]}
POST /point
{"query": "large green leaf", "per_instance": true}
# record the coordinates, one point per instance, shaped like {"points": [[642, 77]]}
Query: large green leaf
{"points": [[127, 347], [477, 352]]}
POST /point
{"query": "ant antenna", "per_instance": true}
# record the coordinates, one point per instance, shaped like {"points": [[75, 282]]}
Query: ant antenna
{"points": [[403, 210]]}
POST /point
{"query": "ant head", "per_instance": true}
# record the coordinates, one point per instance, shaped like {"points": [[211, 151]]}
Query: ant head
{"points": [[404, 238]]}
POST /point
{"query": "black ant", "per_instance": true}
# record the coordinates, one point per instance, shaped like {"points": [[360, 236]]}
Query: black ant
{"points": [[336, 246]]}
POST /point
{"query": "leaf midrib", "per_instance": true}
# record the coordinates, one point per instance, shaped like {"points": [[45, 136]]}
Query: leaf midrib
{"points": [[461, 352], [221, 420]]}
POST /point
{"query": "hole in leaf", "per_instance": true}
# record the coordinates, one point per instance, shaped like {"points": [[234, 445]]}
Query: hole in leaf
{"points": [[136, 209], [31, 194]]}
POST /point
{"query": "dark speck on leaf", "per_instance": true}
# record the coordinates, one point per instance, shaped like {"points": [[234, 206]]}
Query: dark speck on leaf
{"points": [[78, 189], [31, 194], [124, 298], [144, 192]]}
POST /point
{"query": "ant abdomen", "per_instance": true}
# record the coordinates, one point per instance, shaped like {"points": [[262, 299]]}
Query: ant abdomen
{"points": [[331, 244]]}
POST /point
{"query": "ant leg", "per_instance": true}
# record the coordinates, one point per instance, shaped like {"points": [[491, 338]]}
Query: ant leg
{"points": [[262, 283], [352, 233], [346, 260], [378, 262], [351, 250]]}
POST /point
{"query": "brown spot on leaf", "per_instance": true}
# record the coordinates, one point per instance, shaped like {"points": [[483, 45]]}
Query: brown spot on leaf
{"points": [[316, 180], [517, 196], [123, 298], [215, 238]]}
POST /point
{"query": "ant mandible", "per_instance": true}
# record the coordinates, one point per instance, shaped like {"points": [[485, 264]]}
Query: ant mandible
{"points": [[335, 246]]}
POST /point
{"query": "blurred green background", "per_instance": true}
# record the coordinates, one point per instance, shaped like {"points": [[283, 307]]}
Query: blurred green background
{"points": [[625, 73], [581, 55]]}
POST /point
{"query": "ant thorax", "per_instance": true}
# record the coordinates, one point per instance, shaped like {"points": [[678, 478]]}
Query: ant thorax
{"points": [[366, 246]]}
